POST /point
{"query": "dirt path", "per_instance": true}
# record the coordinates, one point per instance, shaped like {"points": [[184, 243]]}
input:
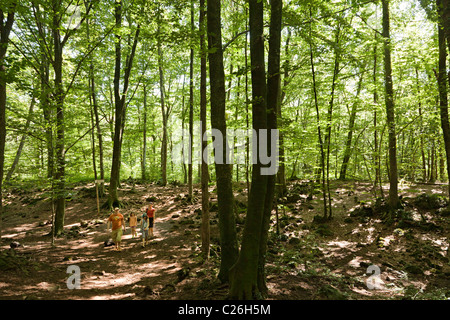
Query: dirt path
{"points": [[152, 272]]}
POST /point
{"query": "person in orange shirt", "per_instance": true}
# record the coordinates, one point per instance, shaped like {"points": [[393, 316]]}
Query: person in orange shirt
{"points": [[117, 224], [151, 219]]}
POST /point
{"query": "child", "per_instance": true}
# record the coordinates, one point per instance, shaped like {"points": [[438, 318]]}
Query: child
{"points": [[144, 229], [117, 223], [133, 224], [151, 219]]}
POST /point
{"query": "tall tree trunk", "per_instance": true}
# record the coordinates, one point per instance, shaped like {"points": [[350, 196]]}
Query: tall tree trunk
{"points": [[319, 131], [281, 176], [22, 141], [191, 105], [394, 201], [348, 144], [247, 103], [118, 120], [45, 89], [164, 112], [119, 105], [227, 225], [48, 113], [60, 200], [377, 145], [205, 233], [144, 138], [93, 95], [5, 29], [330, 116], [244, 273], [273, 105], [443, 34]]}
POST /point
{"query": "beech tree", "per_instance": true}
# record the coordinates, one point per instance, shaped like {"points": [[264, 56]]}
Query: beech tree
{"points": [[5, 29], [225, 199], [394, 200]]}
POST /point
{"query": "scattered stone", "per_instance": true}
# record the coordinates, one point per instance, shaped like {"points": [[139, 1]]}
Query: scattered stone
{"points": [[364, 264], [147, 291], [169, 288], [108, 243], [430, 201], [413, 269], [183, 274], [294, 241], [15, 244], [331, 293], [362, 211], [348, 220]]}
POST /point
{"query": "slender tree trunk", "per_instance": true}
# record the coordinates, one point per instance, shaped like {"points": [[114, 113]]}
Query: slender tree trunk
{"points": [[93, 95], [247, 103], [44, 98], [5, 29], [191, 105], [120, 106], [281, 177], [205, 233], [273, 105], [393, 200], [47, 112], [227, 225], [244, 273], [164, 116], [60, 200], [377, 145], [144, 138], [319, 131], [348, 144], [118, 120], [443, 35], [22, 141]]}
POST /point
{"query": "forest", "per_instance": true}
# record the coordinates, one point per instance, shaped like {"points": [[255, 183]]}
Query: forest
{"points": [[291, 150]]}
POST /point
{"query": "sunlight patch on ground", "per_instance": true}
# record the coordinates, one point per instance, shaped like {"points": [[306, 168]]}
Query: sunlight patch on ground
{"points": [[113, 296], [356, 262], [4, 285]]}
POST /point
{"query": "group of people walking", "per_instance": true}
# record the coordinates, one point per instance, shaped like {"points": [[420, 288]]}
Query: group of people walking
{"points": [[117, 222]]}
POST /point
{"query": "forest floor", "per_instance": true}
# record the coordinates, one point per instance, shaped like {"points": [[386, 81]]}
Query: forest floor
{"points": [[357, 255]]}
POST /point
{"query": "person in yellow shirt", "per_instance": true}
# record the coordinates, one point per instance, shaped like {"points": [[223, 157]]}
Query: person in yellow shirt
{"points": [[117, 224], [133, 223]]}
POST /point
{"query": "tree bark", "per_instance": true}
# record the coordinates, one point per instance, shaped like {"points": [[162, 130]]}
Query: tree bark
{"points": [[191, 106], [281, 176], [22, 141], [244, 274], [348, 144], [330, 117], [144, 138], [205, 233], [164, 113], [59, 178], [273, 105], [394, 201], [442, 6], [93, 95], [120, 106], [227, 225], [319, 131], [5, 29]]}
